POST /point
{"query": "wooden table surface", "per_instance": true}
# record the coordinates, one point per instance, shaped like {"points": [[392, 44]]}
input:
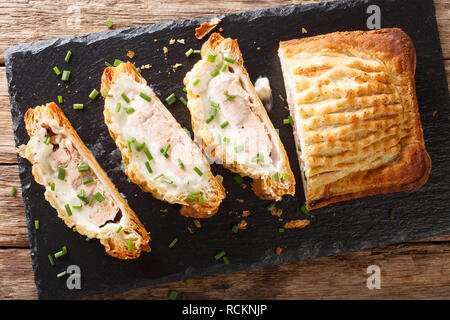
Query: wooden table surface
{"points": [[419, 269]]}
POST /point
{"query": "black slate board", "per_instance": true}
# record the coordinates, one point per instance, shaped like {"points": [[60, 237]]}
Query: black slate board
{"points": [[347, 226]]}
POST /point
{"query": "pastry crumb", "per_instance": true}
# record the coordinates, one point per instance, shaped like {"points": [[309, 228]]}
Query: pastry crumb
{"points": [[176, 65], [164, 210], [259, 48], [281, 98], [220, 29], [146, 66], [180, 41], [242, 225], [155, 40], [190, 230], [434, 113], [296, 224], [304, 30], [243, 186], [239, 200], [206, 28], [172, 41], [278, 250], [130, 54], [197, 223], [165, 50], [276, 212], [245, 213]]}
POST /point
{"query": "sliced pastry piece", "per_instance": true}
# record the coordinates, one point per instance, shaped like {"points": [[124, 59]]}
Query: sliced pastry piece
{"points": [[356, 119], [159, 155], [231, 122], [77, 187]]}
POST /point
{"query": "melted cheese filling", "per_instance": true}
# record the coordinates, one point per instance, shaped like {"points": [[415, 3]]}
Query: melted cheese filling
{"points": [[151, 123], [61, 153]]}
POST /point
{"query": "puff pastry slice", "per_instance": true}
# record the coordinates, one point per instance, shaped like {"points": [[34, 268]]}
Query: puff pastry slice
{"points": [[77, 187], [356, 119], [232, 124], [159, 155]]}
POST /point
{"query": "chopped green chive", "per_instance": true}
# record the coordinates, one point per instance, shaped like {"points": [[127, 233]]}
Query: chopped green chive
{"points": [[187, 281], [140, 147], [239, 148], [304, 209], [119, 229], [145, 97], [46, 139], [304, 174], [289, 120], [164, 151], [219, 255], [231, 97], [199, 172], [130, 245], [197, 51], [61, 274], [224, 124], [211, 56], [215, 72], [108, 64], [276, 177], [148, 154], [65, 75], [225, 260], [149, 169], [166, 180], [109, 24], [230, 60], [285, 176], [280, 230], [183, 101], [60, 99], [68, 55], [129, 142], [57, 71], [124, 97], [173, 295], [36, 224], [78, 106], [196, 81], [191, 197], [74, 229], [90, 180], [118, 106], [107, 95], [117, 62], [180, 163], [91, 201], [174, 241], [50, 258], [61, 173], [238, 178], [214, 104], [259, 158], [200, 199], [83, 168], [271, 206], [189, 52], [225, 139], [69, 212], [171, 99], [224, 67], [93, 94], [235, 229], [159, 176], [82, 197], [52, 186], [64, 249], [88, 239], [138, 70], [391, 214], [77, 206], [99, 197], [184, 90], [129, 110]]}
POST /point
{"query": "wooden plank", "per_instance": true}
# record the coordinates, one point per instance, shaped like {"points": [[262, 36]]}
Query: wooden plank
{"points": [[408, 271], [51, 19], [16, 275]]}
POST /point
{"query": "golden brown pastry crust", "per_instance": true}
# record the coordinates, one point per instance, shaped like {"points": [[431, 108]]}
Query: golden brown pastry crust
{"points": [[385, 61], [113, 242], [264, 187], [189, 208]]}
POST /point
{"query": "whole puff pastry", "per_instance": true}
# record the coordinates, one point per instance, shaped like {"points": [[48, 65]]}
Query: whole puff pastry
{"points": [[353, 100]]}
